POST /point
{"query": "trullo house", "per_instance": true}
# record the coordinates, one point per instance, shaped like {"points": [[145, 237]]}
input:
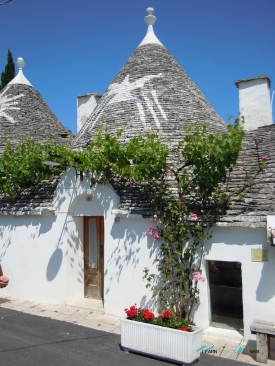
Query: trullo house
{"points": [[67, 240]]}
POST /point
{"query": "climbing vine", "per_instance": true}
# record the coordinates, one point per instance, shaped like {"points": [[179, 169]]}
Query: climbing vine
{"points": [[141, 158], [188, 199]]}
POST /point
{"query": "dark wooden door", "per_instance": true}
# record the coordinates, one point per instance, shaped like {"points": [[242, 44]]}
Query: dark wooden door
{"points": [[93, 256]]}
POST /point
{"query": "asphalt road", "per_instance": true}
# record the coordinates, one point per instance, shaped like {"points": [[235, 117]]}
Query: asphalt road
{"points": [[30, 340]]}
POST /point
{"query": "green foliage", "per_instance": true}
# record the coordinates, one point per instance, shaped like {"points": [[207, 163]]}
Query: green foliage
{"points": [[210, 156], [141, 158], [9, 73], [21, 167]]}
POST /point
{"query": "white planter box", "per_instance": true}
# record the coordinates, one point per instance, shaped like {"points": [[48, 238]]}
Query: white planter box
{"points": [[161, 342]]}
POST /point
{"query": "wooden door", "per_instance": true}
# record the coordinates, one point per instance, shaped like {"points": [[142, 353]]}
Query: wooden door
{"points": [[93, 256]]}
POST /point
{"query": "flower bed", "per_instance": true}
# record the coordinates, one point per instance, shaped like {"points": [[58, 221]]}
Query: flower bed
{"points": [[163, 337], [161, 342], [167, 319]]}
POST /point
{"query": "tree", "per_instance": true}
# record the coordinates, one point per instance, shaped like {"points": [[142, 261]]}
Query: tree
{"points": [[9, 72]]}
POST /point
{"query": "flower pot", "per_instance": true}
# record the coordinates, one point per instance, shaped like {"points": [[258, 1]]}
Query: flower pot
{"points": [[161, 342]]}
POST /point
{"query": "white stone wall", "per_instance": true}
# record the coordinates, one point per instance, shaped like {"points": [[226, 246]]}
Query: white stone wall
{"points": [[43, 256], [254, 103], [33, 256], [234, 245]]}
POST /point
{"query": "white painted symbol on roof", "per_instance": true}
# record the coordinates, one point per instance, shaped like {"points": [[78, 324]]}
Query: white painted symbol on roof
{"points": [[120, 92], [123, 92], [8, 103]]}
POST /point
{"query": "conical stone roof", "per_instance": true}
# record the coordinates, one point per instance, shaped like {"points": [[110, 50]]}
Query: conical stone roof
{"points": [[23, 112], [151, 92]]}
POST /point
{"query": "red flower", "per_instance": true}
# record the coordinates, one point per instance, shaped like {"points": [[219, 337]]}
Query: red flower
{"points": [[147, 314], [144, 310], [160, 316], [132, 312], [265, 158], [167, 314], [183, 329]]}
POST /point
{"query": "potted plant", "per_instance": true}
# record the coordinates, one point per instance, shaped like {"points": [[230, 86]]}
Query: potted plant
{"points": [[163, 337]]}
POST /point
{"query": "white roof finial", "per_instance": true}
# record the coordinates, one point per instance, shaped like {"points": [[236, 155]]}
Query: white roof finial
{"points": [[20, 63], [150, 37], [20, 77], [150, 18]]}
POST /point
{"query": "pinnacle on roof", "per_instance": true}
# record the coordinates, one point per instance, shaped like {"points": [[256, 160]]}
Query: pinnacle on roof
{"points": [[23, 113], [150, 37], [150, 92], [20, 77]]}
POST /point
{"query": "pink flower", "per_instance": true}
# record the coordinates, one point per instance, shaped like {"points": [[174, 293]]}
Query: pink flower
{"points": [[197, 276], [156, 235], [193, 216], [153, 233], [150, 230], [265, 158]]}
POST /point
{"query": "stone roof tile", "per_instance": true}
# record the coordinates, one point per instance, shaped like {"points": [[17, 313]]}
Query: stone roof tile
{"points": [[23, 112], [151, 92]]}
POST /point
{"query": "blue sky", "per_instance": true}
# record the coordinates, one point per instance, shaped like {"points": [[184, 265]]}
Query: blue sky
{"points": [[74, 47]]}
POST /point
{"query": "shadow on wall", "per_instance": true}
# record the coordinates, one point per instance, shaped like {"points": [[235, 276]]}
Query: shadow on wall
{"points": [[54, 264], [56, 258], [34, 226], [126, 255], [266, 289], [79, 208], [150, 304], [235, 237], [75, 242], [6, 240]]}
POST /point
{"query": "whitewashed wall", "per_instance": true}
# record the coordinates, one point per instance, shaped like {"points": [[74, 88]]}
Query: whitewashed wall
{"points": [[43, 256], [255, 104], [33, 256], [235, 244]]}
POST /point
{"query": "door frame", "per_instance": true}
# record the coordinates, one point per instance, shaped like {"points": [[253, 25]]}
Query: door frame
{"points": [[89, 291]]}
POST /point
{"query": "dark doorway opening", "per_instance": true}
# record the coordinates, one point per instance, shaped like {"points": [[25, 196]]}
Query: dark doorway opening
{"points": [[225, 279]]}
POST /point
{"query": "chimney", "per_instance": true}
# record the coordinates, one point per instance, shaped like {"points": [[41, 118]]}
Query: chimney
{"points": [[85, 106], [254, 102]]}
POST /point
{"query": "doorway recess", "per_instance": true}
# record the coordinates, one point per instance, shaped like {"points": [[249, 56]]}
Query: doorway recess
{"points": [[225, 280]]}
